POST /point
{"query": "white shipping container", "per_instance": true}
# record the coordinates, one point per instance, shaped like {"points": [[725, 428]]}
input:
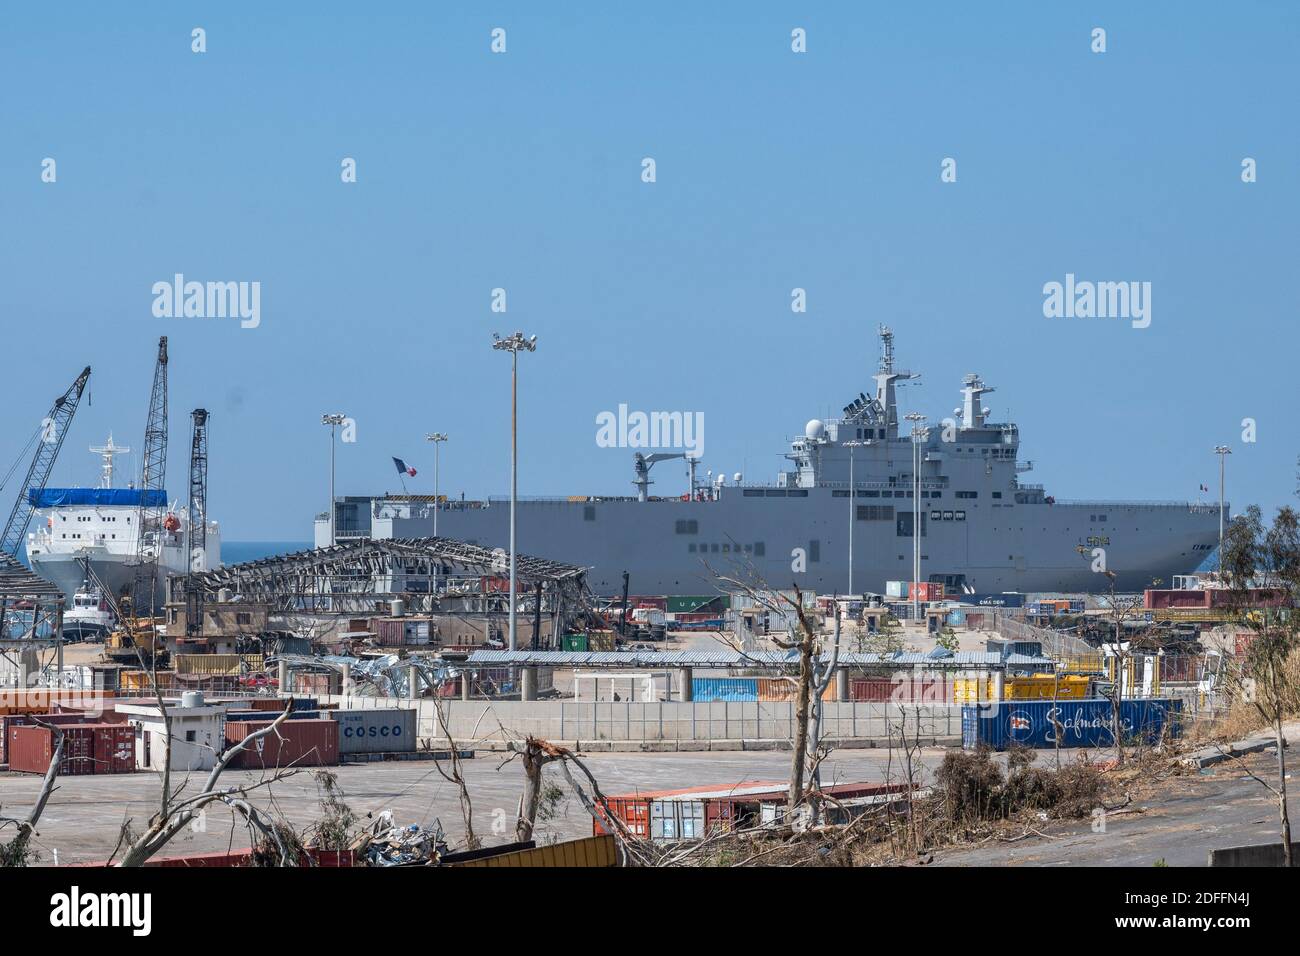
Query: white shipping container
{"points": [[375, 731], [896, 589]]}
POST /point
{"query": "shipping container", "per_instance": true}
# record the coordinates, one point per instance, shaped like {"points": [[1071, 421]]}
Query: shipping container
{"points": [[305, 683], [694, 812], [967, 690], [243, 716], [706, 689], [712, 604], [376, 731], [1001, 599], [574, 643], [779, 689], [277, 703], [937, 690], [87, 748], [1081, 723], [924, 591], [1047, 687], [114, 748], [299, 743], [399, 631], [896, 589]]}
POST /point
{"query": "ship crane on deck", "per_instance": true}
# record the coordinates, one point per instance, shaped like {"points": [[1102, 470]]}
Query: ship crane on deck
{"points": [[153, 475], [643, 463], [49, 439]]}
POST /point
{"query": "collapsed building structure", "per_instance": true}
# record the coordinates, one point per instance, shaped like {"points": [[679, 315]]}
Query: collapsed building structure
{"points": [[450, 581]]}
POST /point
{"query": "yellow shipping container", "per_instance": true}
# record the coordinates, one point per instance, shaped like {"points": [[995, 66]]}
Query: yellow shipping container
{"points": [[595, 851], [1047, 687], [208, 665], [970, 690]]}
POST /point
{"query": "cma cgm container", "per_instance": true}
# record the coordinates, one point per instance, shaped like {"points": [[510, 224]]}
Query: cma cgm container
{"points": [[299, 743], [376, 731], [1081, 723]]}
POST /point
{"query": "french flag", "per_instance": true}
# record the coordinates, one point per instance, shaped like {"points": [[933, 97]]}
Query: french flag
{"points": [[402, 468]]}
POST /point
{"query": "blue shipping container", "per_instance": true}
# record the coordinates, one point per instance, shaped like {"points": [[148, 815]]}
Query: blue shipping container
{"points": [[724, 688], [1083, 723], [1010, 599], [269, 715]]}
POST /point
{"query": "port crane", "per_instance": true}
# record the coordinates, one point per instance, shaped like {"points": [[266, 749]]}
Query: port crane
{"points": [[151, 516], [48, 440], [198, 517]]}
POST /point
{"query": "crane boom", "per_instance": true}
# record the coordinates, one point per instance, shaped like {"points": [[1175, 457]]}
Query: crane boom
{"points": [[198, 515], [53, 430], [153, 475]]}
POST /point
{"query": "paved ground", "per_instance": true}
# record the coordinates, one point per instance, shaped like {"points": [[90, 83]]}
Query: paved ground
{"points": [[1192, 815], [82, 819]]}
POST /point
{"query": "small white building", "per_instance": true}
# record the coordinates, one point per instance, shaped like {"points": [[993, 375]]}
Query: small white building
{"points": [[198, 733]]}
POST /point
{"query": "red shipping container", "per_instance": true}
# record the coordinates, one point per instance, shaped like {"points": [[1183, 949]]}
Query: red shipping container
{"points": [[299, 743], [114, 748], [31, 749]]}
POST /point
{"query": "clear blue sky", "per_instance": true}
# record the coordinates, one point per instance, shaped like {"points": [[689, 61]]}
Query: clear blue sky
{"points": [[775, 170]]}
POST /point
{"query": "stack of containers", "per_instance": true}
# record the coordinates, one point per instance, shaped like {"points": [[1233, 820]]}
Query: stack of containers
{"points": [[87, 748]]}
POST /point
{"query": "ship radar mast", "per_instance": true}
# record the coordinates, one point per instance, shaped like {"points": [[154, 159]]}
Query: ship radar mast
{"points": [[973, 411], [107, 452], [886, 380]]}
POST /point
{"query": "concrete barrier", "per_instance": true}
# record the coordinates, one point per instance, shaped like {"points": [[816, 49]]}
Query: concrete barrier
{"points": [[1260, 854], [671, 725]]}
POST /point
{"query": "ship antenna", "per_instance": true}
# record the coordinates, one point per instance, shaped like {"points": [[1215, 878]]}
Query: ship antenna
{"points": [[886, 348]]}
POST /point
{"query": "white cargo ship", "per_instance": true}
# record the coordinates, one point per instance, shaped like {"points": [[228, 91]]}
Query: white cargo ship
{"points": [[99, 525]]}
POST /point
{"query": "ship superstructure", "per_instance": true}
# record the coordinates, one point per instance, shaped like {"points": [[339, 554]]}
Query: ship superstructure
{"points": [[75, 525], [982, 529]]}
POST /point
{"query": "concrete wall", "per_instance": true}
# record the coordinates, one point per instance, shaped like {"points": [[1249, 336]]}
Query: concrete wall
{"points": [[670, 725]]}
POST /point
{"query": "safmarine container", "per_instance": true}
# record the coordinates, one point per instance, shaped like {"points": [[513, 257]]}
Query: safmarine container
{"points": [[376, 731], [1080, 723], [724, 688]]}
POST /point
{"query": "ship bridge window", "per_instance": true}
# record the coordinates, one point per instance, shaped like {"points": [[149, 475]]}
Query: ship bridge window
{"points": [[760, 548], [588, 512], [997, 494], [936, 515], [688, 526], [868, 494], [968, 494], [875, 512], [959, 516], [753, 492]]}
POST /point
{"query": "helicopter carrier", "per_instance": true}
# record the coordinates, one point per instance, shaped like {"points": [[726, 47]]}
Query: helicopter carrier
{"points": [[982, 529]]}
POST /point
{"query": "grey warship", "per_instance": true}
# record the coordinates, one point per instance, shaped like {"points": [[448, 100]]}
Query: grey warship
{"points": [[982, 529]]}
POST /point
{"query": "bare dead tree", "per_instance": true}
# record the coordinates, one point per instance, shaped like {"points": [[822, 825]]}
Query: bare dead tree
{"points": [[14, 853], [812, 674], [535, 756], [175, 814], [1263, 566], [454, 775]]}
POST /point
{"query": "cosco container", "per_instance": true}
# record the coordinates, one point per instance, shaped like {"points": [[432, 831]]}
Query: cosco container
{"points": [[376, 731], [724, 688], [298, 743], [1079, 723]]}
